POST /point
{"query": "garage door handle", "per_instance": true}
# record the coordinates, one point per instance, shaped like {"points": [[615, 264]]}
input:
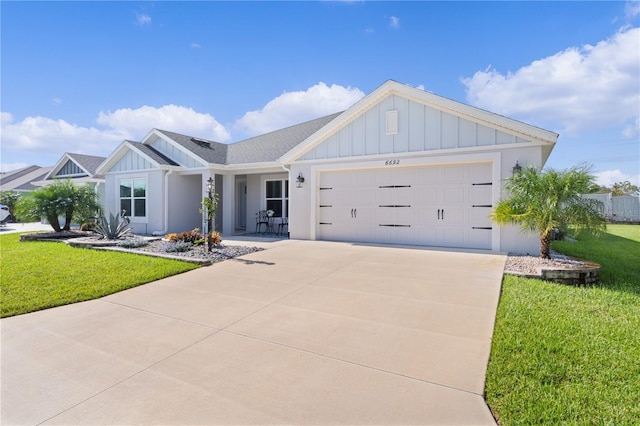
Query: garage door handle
{"points": [[438, 214], [442, 214], [355, 213]]}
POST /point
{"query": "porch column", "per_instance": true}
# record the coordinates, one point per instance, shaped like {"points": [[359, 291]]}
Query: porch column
{"points": [[228, 204]]}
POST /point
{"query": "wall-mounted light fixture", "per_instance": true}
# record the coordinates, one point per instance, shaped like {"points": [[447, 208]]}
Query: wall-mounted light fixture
{"points": [[299, 180], [517, 168]]}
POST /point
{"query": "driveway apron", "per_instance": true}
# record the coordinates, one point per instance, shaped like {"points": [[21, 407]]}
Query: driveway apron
{"points": [[304, 332]]}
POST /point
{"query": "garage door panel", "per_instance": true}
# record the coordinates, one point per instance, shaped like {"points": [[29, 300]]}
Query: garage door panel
{"points": [[431, 205], [396, 234], [480, 194], [480, 238], [453, 195]]}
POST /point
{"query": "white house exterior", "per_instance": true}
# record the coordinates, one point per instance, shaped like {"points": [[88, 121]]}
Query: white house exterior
{"points": [[79, 168], [401, 166]]}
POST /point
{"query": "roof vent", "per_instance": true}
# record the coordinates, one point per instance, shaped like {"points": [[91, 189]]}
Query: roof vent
{"points": [[202, 142]]}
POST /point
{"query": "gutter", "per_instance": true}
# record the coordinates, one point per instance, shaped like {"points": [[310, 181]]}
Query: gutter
{"points": [[166, 205]]}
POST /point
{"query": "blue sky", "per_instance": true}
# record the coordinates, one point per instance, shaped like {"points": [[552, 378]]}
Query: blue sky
{"points": [[83, 76]]}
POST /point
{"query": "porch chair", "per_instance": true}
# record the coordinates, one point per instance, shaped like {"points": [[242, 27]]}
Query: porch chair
{"points": [[262, 218], [284, 221]]}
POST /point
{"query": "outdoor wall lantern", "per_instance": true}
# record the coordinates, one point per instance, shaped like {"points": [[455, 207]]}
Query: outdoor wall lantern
{"points": [[517, 168], [300, 180]]}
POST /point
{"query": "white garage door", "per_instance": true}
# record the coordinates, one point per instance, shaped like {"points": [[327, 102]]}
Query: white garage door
{"points": [[446, 206]]}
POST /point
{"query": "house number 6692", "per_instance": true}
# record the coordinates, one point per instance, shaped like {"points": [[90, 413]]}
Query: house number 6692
{"points": [[391, 162]]}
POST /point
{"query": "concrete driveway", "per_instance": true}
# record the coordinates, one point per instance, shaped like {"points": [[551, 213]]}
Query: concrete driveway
{"points": [[302, 333]]}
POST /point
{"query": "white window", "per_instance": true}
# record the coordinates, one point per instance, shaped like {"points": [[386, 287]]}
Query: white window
{"points": [[133, 197], [277, 197]]}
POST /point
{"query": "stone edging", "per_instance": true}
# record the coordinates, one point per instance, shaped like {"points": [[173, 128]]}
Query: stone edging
{"points": [[579, 276]]}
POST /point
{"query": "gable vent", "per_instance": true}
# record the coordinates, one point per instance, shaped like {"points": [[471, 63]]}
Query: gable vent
{"points": [[202, 142], [392, 122]]}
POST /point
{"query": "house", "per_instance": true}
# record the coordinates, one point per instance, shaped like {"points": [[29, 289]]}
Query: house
{"points": [[21, 180], [401, 166]]}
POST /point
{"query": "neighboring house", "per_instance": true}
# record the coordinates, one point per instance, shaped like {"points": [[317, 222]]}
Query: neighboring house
{"points": [[80, 168], [21, 180], [401, 166]]}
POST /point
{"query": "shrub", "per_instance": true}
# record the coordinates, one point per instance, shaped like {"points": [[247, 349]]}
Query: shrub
{"points": [[215, 238], [177, 246], [187, 236], [115, 228], [88, 226], [133, 243]]}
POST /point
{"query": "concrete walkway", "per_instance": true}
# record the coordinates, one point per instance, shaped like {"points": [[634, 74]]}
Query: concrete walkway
{"points": [[302, 333]]}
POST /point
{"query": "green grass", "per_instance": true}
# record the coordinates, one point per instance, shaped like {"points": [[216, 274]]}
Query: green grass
{"points": [[568, 355], [40, 275]]}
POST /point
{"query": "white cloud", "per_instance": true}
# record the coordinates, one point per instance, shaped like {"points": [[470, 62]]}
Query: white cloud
{"points": [[56, 101], [42, 136], [143, 19], [609, 177], [574, 90], [179, 119], [632, 9], [195, 46], [394, 22], [8, 167], [296, 107]]}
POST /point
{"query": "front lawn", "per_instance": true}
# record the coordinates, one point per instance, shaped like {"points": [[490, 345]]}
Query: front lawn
{"points": [[567, 355], [40, 275]]}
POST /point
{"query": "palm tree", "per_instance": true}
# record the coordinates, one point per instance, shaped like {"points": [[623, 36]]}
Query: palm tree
{"points": [[61, 197], [541, 201]]}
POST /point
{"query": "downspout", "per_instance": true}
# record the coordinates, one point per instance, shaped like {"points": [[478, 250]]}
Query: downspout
{"points": [[166, 205]]}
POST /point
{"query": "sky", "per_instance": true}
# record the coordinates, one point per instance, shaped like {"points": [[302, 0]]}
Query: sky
{"points": [[82, 77]]}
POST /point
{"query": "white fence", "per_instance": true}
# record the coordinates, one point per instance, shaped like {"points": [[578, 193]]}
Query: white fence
{"points": [[618, 209]]}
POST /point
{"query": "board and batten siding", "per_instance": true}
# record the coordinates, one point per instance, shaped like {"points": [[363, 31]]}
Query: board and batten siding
{"points": [[131, 161], [420, 128], [175, 153]]}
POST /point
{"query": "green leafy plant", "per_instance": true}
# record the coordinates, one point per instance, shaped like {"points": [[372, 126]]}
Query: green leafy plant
{"points": [[10, 199], [61, 198], [209, 206], [115, 228], [541, 201]]}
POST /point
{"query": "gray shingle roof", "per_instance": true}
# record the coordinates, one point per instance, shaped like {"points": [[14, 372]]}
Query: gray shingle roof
{"points": [[28, 186], [259, 149], [15, 174], [209, 151], [271, 146], [154, 154], [88, 162]]}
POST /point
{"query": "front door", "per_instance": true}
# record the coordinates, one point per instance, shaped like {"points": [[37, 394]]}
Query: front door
{"points": [[241, 207]]}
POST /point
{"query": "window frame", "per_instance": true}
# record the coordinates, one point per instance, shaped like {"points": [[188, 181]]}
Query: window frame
{"points": [[132, 197], [284, 195]]}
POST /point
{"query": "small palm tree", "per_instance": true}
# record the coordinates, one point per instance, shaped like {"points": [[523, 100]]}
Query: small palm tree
{"points": [[541, 201]]}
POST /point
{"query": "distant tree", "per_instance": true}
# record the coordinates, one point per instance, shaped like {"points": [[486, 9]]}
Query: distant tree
{"points": [[541, 201], [598, 189], [10, 199], [624, 188], [60, 198]]}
